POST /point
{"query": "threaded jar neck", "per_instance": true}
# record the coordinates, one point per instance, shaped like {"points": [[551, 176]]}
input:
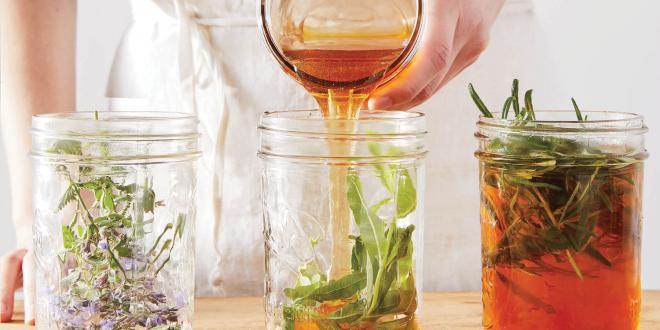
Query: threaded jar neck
{"points": [[557, 136], [117, 137], [377, 136]]}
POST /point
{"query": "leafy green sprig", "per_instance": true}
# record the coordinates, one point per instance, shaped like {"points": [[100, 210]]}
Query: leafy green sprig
{"points": [[549, 197], [522, 115], [381, 282], [109, 273]]}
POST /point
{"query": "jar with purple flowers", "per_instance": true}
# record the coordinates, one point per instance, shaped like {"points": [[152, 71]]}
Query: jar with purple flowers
{"points": [[114, 212]]}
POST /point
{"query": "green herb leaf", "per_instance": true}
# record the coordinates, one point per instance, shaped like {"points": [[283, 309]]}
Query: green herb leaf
{"points": [[67, 147], [180, 225], [148, 200], [525, 182], [123, 250], [349, 313], [359, 256], [480, 104], [578, 113], [69, 196], [108, 200], [529, 105], [372, 227], [68, 237], [598, 256], [515, 98], [406, 200], [507, 108], [343, 288]]}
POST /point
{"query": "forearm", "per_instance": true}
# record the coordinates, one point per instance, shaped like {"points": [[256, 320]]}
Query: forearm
{"points": [[38, 76]]}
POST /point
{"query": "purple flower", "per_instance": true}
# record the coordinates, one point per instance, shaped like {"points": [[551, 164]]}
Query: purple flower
{"points": [[155, 321], [103, 245], [107, 324], [87, 248]]}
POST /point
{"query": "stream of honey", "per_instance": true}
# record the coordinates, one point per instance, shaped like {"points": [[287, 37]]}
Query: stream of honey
{"points": [[341, 76], [341, 81]]}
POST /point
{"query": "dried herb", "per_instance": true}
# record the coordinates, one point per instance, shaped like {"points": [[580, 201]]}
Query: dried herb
{"points": [[380, 290]]}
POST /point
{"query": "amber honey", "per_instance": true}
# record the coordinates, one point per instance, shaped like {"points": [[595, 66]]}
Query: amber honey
{"points": [[535, 277], [341, 80]]}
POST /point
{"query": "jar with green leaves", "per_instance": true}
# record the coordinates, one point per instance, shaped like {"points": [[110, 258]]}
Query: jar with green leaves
{"points": [[343, 220], [114, 216], [561, 216]]}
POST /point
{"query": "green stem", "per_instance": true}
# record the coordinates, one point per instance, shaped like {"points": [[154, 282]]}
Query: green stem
{"points": [[91, 221], [153, 248]]}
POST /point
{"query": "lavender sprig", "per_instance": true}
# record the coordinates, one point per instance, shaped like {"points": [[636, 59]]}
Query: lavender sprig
{"points": [[109, 280]]}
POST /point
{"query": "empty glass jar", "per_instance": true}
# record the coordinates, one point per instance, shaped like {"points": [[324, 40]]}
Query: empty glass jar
{"points": [[114, 212], [342, 202]]}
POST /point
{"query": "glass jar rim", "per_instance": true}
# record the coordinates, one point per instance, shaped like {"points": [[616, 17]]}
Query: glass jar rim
{"points": [[114, 125], [115, 137], [305, 136], [311, 122], [604, 122]]}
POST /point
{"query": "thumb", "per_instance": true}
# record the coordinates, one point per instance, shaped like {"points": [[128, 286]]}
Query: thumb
{"points": [[29, 286]]}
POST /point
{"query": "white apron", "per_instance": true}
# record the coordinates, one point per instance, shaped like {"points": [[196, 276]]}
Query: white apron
{"points": [[207, 57]]}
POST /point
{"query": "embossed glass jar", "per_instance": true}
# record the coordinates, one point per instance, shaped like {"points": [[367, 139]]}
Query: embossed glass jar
{"points": [[343, 219], [114, 213]]}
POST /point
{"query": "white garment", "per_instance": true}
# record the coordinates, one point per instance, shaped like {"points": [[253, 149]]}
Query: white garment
{"points": [[207, 57]]}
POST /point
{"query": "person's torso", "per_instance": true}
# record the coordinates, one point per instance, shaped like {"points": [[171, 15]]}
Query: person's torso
{"points": [[228, 78]]}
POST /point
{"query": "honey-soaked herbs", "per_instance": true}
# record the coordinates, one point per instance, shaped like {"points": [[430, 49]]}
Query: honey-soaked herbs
{"points": [[560, 218]]}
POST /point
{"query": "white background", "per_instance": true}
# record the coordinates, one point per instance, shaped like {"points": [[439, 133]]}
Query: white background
{"points": [[608, 50]]}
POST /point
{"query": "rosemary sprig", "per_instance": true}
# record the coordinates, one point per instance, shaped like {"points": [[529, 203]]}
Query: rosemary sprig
{"points": [[480, 104], [552, 202], [578, 113]]}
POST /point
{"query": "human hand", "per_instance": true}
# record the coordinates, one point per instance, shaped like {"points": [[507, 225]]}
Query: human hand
{"points": [[456, 33], [16, 271]]}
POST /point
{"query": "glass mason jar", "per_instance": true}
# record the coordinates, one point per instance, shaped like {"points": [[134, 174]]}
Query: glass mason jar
{"points": [[343, 217], [561, 217], [114, 212]]}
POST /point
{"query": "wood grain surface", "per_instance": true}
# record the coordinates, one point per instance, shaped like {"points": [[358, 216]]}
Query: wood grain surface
{"points": [[440, 311]]}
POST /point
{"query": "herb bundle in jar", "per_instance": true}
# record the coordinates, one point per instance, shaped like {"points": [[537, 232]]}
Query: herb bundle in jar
{"points": [[561, 211], [307, 285], [114, 200]]}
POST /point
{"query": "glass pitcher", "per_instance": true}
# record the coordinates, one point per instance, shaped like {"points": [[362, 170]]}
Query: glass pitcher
{"points": [[342, 50]]}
